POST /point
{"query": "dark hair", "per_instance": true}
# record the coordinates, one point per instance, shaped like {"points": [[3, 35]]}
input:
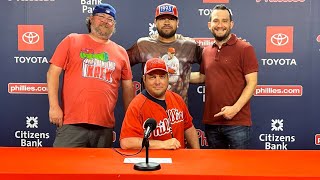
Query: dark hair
{"points": [[221, 7]]}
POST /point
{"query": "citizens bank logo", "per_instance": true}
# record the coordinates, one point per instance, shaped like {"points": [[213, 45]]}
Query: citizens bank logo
{"points": [[30, 38], [279, 39], [202, 91], [29, 138], [215, 1], [276, 142], [152, 29], [277, 125], [32, 122], [317, 139]]}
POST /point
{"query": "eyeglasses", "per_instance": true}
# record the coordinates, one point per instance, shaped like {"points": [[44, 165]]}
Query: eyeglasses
{"points": [[105, 19]]}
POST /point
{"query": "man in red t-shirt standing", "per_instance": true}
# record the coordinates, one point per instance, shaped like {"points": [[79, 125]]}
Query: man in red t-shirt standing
{"points": [[174, 122], [93, 68], [230, 70]]}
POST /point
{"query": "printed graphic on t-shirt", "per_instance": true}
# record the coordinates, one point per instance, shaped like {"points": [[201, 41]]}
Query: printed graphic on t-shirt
{"points": [[164, 126], [185, 51], [173, 65], [97, 65]]}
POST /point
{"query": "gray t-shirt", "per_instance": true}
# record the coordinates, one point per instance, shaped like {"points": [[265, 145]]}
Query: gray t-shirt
{"points": [[184, 49]]}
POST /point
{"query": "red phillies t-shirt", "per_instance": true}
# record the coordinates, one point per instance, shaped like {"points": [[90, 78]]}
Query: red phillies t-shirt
{"points": [[176, 115], [91, 78]]}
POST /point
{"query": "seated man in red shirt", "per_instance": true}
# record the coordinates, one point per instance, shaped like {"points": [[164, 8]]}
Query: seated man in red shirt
{"points": [[174, 122]]}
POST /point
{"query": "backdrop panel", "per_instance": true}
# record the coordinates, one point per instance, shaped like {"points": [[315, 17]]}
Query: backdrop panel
{"points": [[284, 33]]}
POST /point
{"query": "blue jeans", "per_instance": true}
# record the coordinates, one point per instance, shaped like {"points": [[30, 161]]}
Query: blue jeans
{"points": [[227, 137]]}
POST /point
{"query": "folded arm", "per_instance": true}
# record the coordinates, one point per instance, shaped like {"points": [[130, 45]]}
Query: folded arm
{"points": [[136, 143]]}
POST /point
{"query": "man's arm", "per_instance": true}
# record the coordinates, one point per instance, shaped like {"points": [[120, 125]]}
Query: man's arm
{"points": [[192, 138], [229, 112], [197, 78], [55, 111], [127, 93], [134, 55], [136, 142]]}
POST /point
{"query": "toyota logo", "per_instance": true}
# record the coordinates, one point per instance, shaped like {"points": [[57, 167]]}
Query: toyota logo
{"points": [[30, 37], [279, 39]]}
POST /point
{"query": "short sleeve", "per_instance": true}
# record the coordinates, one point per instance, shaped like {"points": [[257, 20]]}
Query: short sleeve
{"points": [[60, 57], [250, 62], [126, 73], [132, 123]]}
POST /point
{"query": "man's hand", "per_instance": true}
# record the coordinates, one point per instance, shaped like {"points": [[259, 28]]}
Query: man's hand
{"points": [[56, 116], [172, 143], [228, 112]]}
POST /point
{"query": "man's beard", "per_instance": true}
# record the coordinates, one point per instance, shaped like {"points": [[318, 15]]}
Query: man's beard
{"points": [[166, 35], [221, 38], [104, 33]]}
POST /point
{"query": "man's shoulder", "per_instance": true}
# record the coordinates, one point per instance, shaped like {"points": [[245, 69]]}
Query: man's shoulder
{"points": [[241, 43], [174, 95], [75, 38], [117, 45], [76, 35], [138, 100], [185, 39], [147, 39]]}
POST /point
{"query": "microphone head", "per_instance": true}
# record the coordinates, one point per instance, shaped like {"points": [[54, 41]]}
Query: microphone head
{"points": [[151, 123]]}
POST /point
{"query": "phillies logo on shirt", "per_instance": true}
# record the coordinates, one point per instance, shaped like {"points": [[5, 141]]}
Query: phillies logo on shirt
{"points": [[203, 42], [164, 126]]}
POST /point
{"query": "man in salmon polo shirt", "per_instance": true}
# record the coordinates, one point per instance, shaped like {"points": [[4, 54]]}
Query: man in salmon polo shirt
{"points": [[93, 67]]}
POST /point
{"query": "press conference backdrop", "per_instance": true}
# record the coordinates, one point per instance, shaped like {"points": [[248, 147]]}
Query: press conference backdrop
{"points": [[285, 34]]}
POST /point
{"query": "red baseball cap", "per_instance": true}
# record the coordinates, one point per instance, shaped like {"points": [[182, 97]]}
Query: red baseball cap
{"points": [[171, 50], [155, 64], [166, 8]]}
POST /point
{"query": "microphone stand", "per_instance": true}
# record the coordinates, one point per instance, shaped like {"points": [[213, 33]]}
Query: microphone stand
{"points": [[146, 166]]}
